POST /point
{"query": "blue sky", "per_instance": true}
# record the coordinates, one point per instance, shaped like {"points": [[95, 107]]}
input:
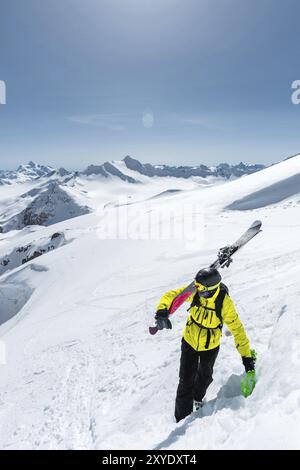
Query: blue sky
{"points": [[166, 81]]}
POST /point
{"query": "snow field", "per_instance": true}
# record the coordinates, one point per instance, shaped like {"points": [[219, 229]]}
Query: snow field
{"points": [[82, 371]]}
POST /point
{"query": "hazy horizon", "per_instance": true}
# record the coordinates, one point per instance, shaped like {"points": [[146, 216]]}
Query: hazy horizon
{"points": [[84, 166]]}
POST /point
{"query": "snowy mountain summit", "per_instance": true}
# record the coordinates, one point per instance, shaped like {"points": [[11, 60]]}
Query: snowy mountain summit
{"points": [[34, 171], [30, 172], [45, 205]]}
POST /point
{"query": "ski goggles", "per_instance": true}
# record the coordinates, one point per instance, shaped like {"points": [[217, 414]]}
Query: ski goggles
{"points": [[204, 288]]}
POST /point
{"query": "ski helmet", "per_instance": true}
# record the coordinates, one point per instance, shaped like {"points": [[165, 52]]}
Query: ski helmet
{"points": [[208, 279]]}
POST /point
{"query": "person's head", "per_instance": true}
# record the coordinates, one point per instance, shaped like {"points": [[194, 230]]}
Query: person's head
{"points": [[207, 282]]}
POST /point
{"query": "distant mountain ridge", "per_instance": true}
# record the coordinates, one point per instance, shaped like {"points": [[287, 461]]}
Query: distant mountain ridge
{"points": [[33, 171], [223, 170]]}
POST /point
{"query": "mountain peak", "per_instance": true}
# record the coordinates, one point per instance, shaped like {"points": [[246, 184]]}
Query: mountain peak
{"points": [[46, 205], [33, 170], [28, 165], [107, 170]]}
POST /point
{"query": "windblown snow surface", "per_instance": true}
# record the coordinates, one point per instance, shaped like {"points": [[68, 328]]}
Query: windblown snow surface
{"points": [[80, 370]]}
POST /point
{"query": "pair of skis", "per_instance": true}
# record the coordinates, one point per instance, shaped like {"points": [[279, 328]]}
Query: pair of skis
{"points": [[224, 259]]}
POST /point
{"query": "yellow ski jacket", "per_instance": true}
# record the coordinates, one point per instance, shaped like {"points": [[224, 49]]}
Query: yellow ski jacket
{"points": [[203, 330]]}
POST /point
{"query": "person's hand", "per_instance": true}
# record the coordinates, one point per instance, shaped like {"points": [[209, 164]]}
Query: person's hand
{"points": [[162, 319], [249, 363]]}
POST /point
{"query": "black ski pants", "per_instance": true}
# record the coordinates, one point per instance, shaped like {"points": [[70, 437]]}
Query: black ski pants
{"points": [[195, 376]]}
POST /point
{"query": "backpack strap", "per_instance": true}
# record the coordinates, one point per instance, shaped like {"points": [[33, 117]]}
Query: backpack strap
{"points": [[219, 301], [195, 302]]}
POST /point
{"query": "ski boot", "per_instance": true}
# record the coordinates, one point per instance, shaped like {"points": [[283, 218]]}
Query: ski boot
{"points": [[197, 405]]}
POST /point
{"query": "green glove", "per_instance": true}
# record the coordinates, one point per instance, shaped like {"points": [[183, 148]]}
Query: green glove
{"points": [[249, 381]]}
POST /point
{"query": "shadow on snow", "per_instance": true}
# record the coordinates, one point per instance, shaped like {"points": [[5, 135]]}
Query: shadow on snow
{"points": [[229, 396]]}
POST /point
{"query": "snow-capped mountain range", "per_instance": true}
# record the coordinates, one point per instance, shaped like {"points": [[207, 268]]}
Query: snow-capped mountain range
{"points": [[78, 368], [51, 196], [223, 170], [33, 171]]}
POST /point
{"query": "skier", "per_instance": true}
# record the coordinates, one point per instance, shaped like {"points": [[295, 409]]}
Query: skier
{"points": [[210, 307]]}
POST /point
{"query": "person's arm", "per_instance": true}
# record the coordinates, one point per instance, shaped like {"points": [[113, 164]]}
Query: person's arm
{"points": [[233, 323], [162, 309], [167, 299]]}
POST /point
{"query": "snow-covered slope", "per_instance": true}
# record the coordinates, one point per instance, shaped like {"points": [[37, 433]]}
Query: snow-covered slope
{"points": [[272, 194], [44, 205], [23, 254], [81, 370]]}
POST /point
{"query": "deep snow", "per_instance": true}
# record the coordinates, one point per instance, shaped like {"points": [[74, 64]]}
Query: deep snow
{"points": [[82, 371]]}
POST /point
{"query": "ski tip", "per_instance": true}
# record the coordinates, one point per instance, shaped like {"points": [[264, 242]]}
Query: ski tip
{"points": [[256, 224]]}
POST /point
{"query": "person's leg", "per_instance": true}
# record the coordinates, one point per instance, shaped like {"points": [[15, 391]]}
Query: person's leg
{"points": [[188, 369], [204, 376]]}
